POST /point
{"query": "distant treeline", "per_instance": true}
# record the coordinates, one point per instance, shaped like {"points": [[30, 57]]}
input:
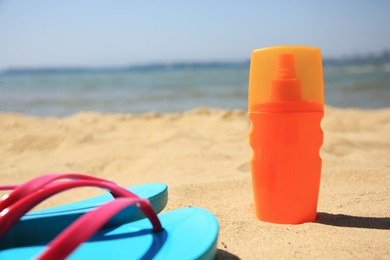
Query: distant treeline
{"points": [[135, 68], [384, 57], [375, 58]]}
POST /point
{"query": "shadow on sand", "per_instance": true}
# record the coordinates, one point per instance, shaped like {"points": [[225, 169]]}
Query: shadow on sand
{"points": [[222, 254], [341, 220]]}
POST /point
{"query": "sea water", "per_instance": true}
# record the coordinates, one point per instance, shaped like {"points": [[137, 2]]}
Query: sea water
{"points": [[175, 87]]}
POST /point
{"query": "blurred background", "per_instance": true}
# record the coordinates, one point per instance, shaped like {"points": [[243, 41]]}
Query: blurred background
{"points": [[58, 58]]}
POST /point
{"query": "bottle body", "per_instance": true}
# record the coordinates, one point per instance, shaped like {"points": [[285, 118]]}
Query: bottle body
{"points": [[286, 106], [286, 164]]}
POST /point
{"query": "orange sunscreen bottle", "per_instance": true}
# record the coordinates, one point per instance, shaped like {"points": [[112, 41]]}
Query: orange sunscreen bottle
{"points": [[286, 106]]}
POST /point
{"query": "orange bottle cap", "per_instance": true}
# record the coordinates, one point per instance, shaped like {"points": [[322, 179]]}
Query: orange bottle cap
{"points": [[286, 73]]}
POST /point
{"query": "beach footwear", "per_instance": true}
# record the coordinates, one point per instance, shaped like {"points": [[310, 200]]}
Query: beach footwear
{"points": [[189, 233], [50, 221]]}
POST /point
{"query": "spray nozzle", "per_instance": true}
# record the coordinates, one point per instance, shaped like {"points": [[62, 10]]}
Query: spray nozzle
{"points": [[285, 86]]}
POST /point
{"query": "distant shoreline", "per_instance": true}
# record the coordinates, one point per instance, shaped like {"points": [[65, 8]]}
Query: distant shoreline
{"points": [[146, 67], [384, 58]]}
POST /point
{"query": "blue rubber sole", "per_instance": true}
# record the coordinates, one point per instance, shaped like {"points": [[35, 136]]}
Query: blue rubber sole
{"points": [[189, 233]]}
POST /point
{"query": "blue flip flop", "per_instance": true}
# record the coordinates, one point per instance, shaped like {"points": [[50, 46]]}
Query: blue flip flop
{"points": [[50, 221], [188, 233]]}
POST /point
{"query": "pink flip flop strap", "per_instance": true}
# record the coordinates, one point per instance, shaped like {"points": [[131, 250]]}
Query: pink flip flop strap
{"points": [[88, 224], [8, 187], [11, 215], [20, 191]]}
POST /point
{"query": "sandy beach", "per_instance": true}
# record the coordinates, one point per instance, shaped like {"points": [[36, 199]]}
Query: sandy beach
{"points": [[203, 156]]}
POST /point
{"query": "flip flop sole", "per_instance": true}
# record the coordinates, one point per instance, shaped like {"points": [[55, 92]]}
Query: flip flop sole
{"points": [[189, 233], [43, 225]]}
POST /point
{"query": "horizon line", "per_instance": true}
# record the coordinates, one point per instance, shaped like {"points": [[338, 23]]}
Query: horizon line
{"points": [[384, 56]]}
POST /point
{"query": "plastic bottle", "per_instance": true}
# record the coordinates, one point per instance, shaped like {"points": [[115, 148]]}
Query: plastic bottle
{"points": [[286, 106]]}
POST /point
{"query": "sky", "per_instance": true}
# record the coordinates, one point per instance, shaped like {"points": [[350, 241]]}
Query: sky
{"points": [[100, 33]]}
